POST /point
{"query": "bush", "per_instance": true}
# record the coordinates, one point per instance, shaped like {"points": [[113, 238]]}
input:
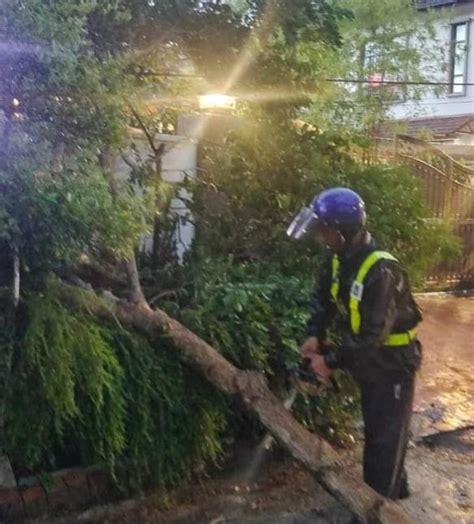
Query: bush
{"points": [[255, 315], [84, 393], [97, 394], [254, 186], [54, 218]]}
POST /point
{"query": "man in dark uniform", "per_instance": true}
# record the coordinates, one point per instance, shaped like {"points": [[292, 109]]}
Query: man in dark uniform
{"points": [[364, 294]]}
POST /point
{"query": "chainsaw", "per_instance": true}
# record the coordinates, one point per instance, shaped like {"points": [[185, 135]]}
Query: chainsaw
{"points": [[305, 380], [302, 379]]}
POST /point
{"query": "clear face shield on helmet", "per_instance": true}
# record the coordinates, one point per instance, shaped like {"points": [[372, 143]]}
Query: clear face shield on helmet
{"points": [[303, 222]]}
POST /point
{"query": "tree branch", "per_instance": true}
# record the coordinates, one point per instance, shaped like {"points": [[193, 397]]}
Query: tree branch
{"points": [[136, 292], [15, 276], [157, 151]]}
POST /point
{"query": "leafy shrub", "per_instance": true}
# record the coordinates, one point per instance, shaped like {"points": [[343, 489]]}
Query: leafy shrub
{"points": [[253, 188], [54, 218], [83, 393], [64, 373], [255, 315]]}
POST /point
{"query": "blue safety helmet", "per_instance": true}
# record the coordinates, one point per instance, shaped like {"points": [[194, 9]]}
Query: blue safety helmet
{"points": [[339, 207]]}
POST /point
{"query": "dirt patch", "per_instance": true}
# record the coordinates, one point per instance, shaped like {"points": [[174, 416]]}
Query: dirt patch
{"points": [[282, 492], [440, 479]]}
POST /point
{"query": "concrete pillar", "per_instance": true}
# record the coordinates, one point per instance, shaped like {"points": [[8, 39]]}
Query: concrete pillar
{"points": [[179, 162]]}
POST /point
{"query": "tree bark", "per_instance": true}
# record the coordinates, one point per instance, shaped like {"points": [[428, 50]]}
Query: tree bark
{"points": [[8, 309], [136, 295], [135, 288], [309, 448]]}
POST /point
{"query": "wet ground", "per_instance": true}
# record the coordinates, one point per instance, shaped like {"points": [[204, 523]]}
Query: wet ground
{"points": [[442, 479], [440, 461], [445, 392], [442, 467]]}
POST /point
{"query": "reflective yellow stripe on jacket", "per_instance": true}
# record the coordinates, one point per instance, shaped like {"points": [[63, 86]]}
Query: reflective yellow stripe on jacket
{"points": [[357, 290], [335, 284]]}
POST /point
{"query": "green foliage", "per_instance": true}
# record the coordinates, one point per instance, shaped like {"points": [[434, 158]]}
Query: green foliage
{"points": [[65, 92], [56, 218], [65, 376], [163, 397], [61, 110], [333, 413], [385, 39], [98, 394], [77, 73], [253, 190], [255, 315], [252, 48]]}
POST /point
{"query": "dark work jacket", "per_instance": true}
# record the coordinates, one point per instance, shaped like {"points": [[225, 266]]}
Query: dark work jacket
{"points": [[387, 306]]}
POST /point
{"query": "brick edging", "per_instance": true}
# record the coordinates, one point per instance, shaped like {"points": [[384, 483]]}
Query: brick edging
{"points": [[60, 492]]}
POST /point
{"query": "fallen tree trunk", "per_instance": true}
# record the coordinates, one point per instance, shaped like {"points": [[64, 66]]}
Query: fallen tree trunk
{"points": [[309, 448]]}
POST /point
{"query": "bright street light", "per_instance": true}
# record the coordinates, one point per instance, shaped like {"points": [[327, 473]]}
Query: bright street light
{"points": [[217, 101]]}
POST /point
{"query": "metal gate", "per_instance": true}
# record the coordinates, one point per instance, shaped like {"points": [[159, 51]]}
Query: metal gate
{"points": [[449, 192]]}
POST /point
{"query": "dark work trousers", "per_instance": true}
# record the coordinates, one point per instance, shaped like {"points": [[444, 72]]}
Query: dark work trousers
{"points": [[386, 409]]}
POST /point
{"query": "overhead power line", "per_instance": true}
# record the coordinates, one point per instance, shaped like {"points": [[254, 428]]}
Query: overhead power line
{"points": [[395, 102], [395, 82], [368, 81]]}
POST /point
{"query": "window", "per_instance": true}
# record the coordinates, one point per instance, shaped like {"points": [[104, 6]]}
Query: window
{"points": [[458, 58], [372, 55]]}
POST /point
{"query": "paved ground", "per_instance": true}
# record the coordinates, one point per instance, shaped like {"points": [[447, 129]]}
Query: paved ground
{"points": [[445, 393], [443, 476]]}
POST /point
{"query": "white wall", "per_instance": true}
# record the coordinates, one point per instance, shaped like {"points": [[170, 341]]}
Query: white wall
{"points": [[178, 162], [446, 105]]}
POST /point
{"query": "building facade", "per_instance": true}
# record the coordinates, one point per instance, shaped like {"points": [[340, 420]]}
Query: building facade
{"points": [[448, 116]]}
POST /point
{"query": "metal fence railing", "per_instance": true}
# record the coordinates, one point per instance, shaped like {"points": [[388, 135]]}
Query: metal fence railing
{"points": [[449, 192]]}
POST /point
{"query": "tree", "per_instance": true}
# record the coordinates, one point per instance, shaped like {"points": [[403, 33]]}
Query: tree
{"points": [[74, 76], [249, 192], [382, 41], [58, 107]]}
